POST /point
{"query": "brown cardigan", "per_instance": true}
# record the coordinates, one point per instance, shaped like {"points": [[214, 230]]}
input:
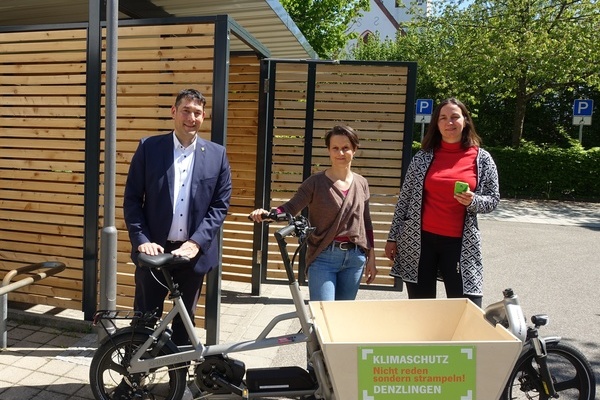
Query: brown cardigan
{"points": [[332, 213]]}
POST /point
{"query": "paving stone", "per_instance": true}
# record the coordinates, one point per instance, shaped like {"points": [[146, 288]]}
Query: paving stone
{"points": [[36, 378], [30, 327], [41, 337], [52, 330], [66, 386], [18, 333], [9, 357], [84, 393], [23, 346], [5, 385], [20, 393], [79, 374], [14, 374], [56, 367], [48, 395], [29, 362], [62, 341]]}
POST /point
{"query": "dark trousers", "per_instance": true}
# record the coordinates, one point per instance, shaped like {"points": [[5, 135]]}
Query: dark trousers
{"points": [[440, 255], [150, 294]]}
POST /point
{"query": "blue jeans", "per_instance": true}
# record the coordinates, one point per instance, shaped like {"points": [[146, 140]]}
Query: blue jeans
{"points": [[335, 274]]}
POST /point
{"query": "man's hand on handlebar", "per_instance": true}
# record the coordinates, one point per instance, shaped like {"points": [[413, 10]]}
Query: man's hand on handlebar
{"points": [[151, 249], [189, 249]]}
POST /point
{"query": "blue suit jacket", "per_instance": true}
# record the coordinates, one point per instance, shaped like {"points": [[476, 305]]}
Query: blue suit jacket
{"points": [[148, 200]]}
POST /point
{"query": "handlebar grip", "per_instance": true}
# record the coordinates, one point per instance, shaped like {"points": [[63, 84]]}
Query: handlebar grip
{"points": [[271, 216], [285, 231]]}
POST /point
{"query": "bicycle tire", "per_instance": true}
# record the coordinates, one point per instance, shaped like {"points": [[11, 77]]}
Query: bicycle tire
{"points": [[109, 379], [571, 372]]}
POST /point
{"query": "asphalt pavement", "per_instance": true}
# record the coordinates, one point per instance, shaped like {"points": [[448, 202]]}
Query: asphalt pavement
{"points": [[546, 251]]}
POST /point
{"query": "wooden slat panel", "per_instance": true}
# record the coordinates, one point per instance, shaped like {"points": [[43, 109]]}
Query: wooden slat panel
{"points": [[42, 97], [50, 35], [154, 30], [379, 92], [242, 123]]}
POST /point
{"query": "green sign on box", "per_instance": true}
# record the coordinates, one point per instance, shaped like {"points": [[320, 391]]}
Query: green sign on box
{"points": [[416, 372]]}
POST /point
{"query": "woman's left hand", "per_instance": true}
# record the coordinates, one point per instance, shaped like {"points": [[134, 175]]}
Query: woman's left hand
{"points": [[370, 270], [465, 198]]}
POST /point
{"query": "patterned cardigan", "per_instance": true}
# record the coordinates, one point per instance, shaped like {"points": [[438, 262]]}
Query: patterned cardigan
{"points": [[406, 223]]}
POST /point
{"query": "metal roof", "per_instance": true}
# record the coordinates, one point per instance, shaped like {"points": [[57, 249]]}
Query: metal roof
{"points": [[266, 20]]}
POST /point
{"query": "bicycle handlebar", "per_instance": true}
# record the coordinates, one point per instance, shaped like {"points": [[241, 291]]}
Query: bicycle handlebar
{"points": [[296, 226]]}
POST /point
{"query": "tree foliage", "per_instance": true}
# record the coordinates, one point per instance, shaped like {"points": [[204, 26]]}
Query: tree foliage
{"points": [[521, 54], [325, 23]]}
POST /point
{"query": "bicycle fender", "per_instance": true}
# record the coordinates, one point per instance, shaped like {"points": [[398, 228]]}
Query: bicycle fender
{"points": [[551, 339], [527, 347]]}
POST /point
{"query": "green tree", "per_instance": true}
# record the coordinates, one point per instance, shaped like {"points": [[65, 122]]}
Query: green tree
{"points": [[502, 52], [325, 23]]}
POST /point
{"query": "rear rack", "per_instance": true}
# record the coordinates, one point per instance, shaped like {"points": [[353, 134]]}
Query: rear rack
{"points": [[106, 319]]}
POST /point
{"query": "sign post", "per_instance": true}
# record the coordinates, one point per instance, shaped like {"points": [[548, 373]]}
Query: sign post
{"points": [[582, 114], [424, 109]]}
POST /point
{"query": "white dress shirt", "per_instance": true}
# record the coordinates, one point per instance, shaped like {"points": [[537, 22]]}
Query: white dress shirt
{"points": [[183, 162]]}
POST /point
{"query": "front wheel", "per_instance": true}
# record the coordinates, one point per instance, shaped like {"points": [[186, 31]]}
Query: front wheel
{"points": [[109, 379], [571, 373]]}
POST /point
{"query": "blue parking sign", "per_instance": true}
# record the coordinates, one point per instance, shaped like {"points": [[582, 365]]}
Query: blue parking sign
{"points": [[424, 107], [583, 108]]}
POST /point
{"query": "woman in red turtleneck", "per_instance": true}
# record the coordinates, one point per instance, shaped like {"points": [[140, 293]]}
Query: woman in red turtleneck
{"points": [[434, 231]]}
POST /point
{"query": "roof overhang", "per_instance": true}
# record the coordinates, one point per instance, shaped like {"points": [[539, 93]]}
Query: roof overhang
{"points": [[266, 20]]}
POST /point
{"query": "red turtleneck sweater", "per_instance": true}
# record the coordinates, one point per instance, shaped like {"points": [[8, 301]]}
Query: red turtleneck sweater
{"points": [[442, 214]]}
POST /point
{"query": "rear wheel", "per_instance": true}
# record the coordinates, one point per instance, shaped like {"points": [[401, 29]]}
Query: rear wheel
{"points": [[571, 372], [109, 379]]}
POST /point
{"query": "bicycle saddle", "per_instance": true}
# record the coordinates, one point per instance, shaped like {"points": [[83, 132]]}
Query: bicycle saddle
{"points": [[160, 260]]}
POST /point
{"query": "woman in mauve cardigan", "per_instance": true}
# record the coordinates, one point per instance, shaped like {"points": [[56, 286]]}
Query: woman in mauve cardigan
{"points": [[341, 247], [434, 232]]}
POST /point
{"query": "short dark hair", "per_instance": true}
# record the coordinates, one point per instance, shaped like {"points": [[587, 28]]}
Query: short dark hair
{"points": [[343, 130], [433, 137], [190, 94]]}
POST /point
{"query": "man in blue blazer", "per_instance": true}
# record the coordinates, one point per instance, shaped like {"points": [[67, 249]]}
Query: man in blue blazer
{"points": [[176, 198]]}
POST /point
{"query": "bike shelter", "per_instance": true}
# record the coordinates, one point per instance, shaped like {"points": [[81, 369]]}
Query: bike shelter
{"points": [[434, 349], [54, 78]]}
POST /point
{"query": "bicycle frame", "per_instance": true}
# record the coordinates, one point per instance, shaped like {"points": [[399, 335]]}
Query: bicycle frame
{"points": [[508, 313], [197, 351]]}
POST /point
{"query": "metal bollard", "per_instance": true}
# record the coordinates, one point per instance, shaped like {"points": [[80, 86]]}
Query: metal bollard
{"points": [[7, 287]]}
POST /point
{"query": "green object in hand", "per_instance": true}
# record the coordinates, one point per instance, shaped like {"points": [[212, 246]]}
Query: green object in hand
{"points": [[460, 187]]}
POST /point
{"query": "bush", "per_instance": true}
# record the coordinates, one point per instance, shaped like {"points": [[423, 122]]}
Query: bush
{"points": [[550, 173]]}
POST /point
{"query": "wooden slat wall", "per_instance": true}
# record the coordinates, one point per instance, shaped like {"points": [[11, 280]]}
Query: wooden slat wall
{"points": [[371, 99], [42, 139], [155, 63], [42, 144], [242, 132]]}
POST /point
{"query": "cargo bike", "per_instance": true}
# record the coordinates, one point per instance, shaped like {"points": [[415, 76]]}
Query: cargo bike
{"points": [[352, 352]]}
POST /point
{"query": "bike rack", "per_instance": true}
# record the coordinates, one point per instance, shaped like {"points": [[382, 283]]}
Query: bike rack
{"points": [[53, 267]]}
